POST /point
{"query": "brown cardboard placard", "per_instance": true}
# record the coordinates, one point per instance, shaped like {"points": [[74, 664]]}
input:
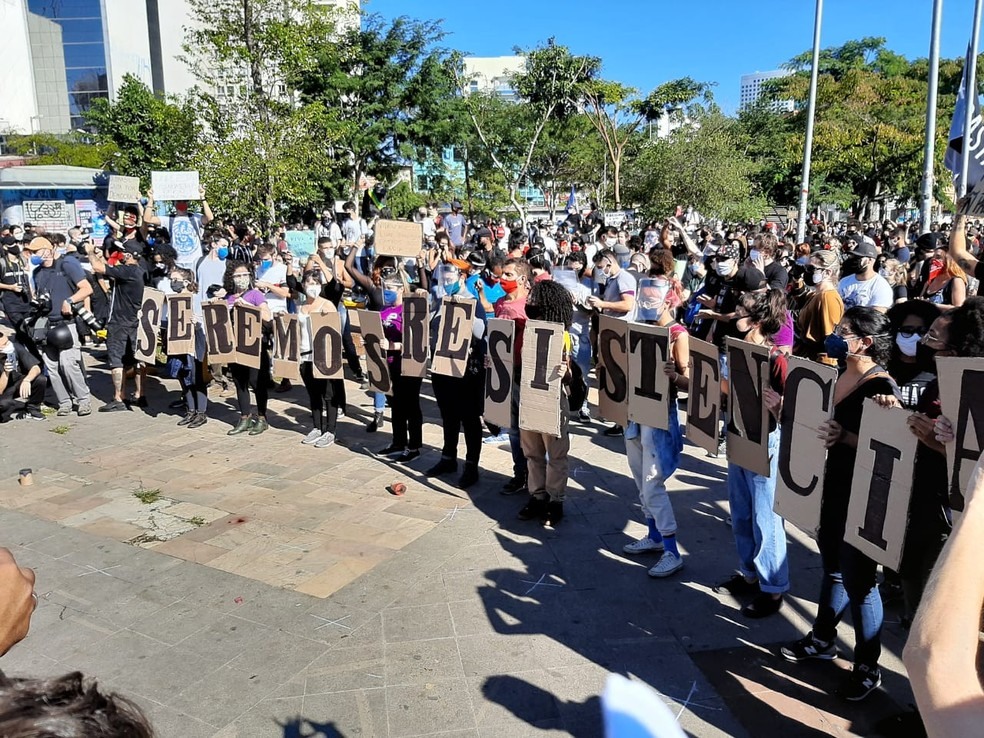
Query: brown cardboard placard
{"points": [[962, 402], [398, 237], [541, 378], [882, 484], [649, 387], [377, 367], [748, 420], [454, 334], [326, 345], [613, 380], [149, 326], [247, 320], [499, 377], [123, 189], [355, 330], [180, 325], [220, 338], [416, 336], [286, 362], [807, 401], [704, 397]]}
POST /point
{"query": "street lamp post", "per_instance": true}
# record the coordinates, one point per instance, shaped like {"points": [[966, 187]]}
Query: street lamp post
{"points": [[810, 114], [929, 165]]}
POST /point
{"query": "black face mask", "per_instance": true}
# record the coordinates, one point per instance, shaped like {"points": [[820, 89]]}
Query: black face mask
{"points": [[533, 312], [14, 250], [854, 265], [925, 356]]}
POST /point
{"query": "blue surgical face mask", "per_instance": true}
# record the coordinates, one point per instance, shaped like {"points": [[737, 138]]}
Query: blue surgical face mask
{"points": [[452, 289], [389, 297], [836, 346], [36, 260], [223, 253], [266, 264]]}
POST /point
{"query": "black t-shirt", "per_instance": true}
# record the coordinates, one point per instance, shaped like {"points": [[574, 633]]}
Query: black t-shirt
{"points": [[15, 304], [60, 281], [24, 361], [776, 275], [128, 287]]}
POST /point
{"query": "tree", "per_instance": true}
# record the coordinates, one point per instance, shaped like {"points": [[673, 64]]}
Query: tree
{"points": [[148, 132], [568, 154], [701, 164], [617, 113], [547, 90], [72, 149], [388, 90], [279, 149]]}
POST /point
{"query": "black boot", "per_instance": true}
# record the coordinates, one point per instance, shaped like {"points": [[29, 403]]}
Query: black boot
{"points": [[469, 476], [553, 513], [443, 466], [375, 424], [533, 509]]}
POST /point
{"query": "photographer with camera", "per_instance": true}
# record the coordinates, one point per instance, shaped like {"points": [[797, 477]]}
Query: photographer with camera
{"points": [[21, 383], [62, 280], [15, 287]]}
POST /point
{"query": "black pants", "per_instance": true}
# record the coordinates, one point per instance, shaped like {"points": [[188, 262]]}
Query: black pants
{"points": [[408, 420], [11, 405], [322, 394], [257, 379], [461, 402]]}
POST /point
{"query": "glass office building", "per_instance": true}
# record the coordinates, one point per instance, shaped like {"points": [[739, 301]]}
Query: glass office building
{"points": [[68, 44]]}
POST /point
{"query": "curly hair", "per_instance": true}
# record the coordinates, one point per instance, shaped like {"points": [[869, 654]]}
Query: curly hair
{"points": [[662, 262], [967, 328], [767, 310], [925, 311], [67, 707], [866, 322], [554, 302], [231, 266]]}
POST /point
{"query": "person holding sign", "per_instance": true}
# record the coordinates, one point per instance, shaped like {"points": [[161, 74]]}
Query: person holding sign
{"points": [[192, 372], [323, 394], [185, 227], [863, 340], [758, 531], [546, 455], [654, 454], [238, 289]]}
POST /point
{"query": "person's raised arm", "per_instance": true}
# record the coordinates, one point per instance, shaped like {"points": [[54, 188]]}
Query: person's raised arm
{"points": [[149, 214], [687, 240], [958, 242], [941, 653], [361, 279], [96, 260], [207, 216]]}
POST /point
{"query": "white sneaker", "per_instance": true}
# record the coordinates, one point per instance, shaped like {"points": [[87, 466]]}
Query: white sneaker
{"points": [[643, 545], [326, 440], [668, 564], [311, 437]]}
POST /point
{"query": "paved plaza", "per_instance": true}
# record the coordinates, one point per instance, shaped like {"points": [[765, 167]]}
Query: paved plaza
{"points": [[252, 586]]}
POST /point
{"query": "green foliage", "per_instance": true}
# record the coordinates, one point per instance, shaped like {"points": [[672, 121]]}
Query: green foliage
{"points": [[72, 149], [147, 496], [402, 201], [148, 132]]}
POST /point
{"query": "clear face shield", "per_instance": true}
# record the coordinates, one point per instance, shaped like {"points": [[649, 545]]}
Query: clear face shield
{"points": [[651, 299], [447, 281]]}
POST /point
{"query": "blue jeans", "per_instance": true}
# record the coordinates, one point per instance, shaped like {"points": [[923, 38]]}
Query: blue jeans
{"points": [[378, 401], [759, 534], [849, 581], [581, 352]]}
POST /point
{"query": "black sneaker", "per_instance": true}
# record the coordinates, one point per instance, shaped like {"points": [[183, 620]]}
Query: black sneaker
{"points": [[809, 648], [762, 606], [113, 407], [469, 476], [738, 586], [514, 486], [391, 450], [409, 454], [863, 681], [443, 466], [615, 431], [376, 423], [553, 514], [535, 508]]}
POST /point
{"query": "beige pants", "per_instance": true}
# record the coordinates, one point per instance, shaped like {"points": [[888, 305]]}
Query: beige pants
{"points": [[546, 458]]}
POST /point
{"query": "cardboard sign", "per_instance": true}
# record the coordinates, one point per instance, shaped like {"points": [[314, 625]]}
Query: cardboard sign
{"points": [[398, 238], [962, 401], [499, 377], [220, 338], [704, 398], [326, 345], [542, 377], [301, 243], [882, 484], [355, 330], [149, 327], [416, 336], [649, 387], [748, 421], [248, 323], [180, 325], [613, 380], [974, 207], [377, 368], [807, 401], [124, 189], [286, 347], [454, 334], [175, 185]]}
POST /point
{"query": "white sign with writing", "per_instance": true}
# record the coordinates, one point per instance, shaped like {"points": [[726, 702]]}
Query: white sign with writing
{"points": [[123, 189], [175, 185]]}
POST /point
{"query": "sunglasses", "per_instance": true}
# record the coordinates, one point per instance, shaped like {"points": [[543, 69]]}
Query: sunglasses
{"points": [[908, 332]]}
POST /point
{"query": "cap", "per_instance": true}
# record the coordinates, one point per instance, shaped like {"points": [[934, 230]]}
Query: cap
{"points": [[456, 205], [729, 251], [38, 243], [927, 241], [133, 247], [749, 279], [866, 249]]}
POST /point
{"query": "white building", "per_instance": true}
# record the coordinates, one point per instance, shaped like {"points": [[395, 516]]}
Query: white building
{"points": [[751, 90], [493, 74]]}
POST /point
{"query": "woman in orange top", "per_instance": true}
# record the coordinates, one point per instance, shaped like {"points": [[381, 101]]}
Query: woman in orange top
{"points": [[823, 311]]}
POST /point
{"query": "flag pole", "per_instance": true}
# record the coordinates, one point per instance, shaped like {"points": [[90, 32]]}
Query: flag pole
{"points": [[810, 113], [971, 89], [926, 205]]}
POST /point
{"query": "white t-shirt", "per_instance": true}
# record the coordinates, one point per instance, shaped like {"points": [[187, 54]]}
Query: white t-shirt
{"points": [[875, 292], [430, 228], [276, 274]]}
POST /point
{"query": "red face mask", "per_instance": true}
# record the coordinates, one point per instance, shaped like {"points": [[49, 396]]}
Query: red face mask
{"points": [[509, 285]]}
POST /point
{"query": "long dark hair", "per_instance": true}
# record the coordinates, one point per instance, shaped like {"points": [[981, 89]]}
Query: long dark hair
{"points": [[867, 322], [967, 328], [231, 266]]}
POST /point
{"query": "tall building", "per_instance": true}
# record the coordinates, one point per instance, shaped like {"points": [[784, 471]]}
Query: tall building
{"points": [[493, 74], [65, 55], [751, 90]]}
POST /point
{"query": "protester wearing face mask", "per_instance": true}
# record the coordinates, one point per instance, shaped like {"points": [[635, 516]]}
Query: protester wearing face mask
{"points": [[192, 372], [863, 340], [22, 384], [823, 310], [238, 289], [654, 454], [861, 285], [911, 364], [323, 394], [946, 285], [723, 287], [15, 285], [896, 274], [210, 270]]}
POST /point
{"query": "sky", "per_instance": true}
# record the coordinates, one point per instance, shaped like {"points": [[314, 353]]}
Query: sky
{"points": [[643, 43]]}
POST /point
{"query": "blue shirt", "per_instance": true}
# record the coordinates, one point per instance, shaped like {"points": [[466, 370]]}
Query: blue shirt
{"points": [[492, 292]]}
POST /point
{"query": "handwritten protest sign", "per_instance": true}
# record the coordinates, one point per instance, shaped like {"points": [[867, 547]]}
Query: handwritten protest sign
{"points": [[301, 243], [175, 185], [398, 237], [124, 189]]}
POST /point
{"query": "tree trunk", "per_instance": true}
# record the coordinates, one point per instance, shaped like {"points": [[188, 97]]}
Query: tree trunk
{"points": [[617, 175], [514, 199]]}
